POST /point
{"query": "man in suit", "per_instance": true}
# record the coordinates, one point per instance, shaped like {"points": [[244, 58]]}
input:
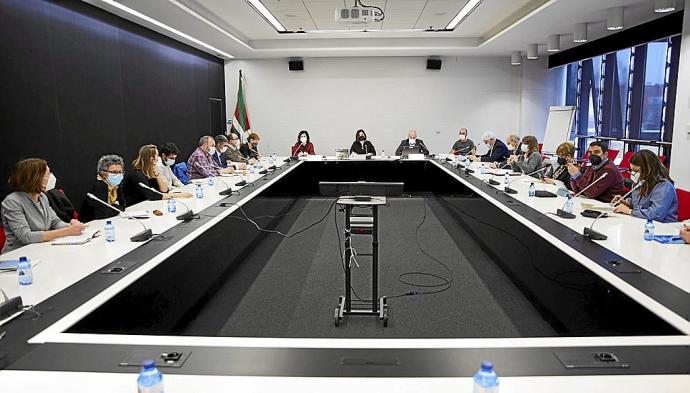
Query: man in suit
{"points": [[412, 142], [498, 151], [221, 147]]}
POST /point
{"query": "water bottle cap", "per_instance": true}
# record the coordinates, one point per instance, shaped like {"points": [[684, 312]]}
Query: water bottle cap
{"points": [[487, 366], [108, 222], [148, 364], [22, 259]]}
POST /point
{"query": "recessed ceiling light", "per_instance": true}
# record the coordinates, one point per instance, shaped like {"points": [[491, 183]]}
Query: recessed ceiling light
{"points": [[614, 19], [266, 14], [580, 34], [165, 27], [661, 6], [532, 51], [464, 13], [516, 58], [554, 44]]}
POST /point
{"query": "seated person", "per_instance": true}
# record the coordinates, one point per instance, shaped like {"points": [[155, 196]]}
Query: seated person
{"points": [[361, 145], [200, 164], [559, 172], [168, 154], [251, 148], [513, 144], [529, 160], [604, 189], [233, 154], [61, 205], [221, 147], [463, 146], [413, 143], [106, 187], [26, 214], [303, 146], [498, 152], [144, 171], [656, 198], [685, 233]]}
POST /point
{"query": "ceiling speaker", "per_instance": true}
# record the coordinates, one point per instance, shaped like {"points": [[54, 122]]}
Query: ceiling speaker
{"points": [[433, 64], [296, 65]]}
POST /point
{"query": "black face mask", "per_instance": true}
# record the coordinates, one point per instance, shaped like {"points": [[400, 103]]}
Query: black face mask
{"points": [[562, 161], [361, 138], [594, 159]]}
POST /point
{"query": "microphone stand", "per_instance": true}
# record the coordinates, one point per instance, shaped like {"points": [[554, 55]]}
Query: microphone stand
{"points": [[142, 236], [186, 216], [592, 234], [564, 214]]}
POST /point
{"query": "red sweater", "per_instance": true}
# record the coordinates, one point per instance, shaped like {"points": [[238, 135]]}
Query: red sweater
{"points": [[299, 148], [606, 188]]}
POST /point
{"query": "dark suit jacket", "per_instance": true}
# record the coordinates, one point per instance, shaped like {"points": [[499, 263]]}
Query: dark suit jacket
{"points": [[406, 143], [498, 153], [61, 204], [92, 210], [219, 159], [135, 193], [247, 152], [357, 148]]}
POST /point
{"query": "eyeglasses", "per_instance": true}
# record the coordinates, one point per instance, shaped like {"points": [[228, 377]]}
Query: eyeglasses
{"points": [[114, 172]]}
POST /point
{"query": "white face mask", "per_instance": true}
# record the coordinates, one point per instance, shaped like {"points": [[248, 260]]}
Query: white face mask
{"points": [[51, 182], [303, 139], [635, 177], [463, 137], [412, 141], [212, 150], [525, 148], [224, 149]]}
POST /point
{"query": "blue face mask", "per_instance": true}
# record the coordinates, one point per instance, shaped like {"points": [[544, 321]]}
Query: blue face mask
{"points": [[115, 180], [169, 162]]}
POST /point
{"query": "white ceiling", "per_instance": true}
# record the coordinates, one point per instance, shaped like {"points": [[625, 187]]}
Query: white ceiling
{"points": [[495, 28]]}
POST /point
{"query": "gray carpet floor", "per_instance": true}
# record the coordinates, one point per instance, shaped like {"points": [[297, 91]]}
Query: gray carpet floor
{"points": [[296, 290]]}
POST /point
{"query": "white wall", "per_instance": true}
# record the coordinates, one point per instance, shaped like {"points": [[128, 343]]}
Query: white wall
{"points": [[386, 96], [541, 88], [680, 159]]}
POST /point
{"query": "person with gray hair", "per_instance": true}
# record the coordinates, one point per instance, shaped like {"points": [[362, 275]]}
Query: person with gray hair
{"points": [[498, 152], [513, 143], [106, 186]]}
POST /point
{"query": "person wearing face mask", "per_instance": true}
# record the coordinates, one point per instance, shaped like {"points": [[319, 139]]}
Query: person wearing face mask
{"points": [[607, 187], [498, 152], [463, 146], [62, 206], [233, 155], [530, 158], [412, 142], [656, 197], [251, 148], [303, 146], [221, 148], [168, 154], [200, 164], [559, 172], [513, 144], [107, 187], [361, 145], [26, 213], [144, 171]]}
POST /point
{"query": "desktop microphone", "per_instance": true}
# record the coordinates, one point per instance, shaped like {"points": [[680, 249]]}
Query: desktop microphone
{"points": [[509, 190], [591, 234], [188, 215], [241, 183], [564, 214], [424, 146], [228, 190], [263, 171], [142, 236], [491, 179]]}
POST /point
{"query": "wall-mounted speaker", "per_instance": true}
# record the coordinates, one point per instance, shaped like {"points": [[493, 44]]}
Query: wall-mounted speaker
{"points": [[433, 64], [296, 65]]}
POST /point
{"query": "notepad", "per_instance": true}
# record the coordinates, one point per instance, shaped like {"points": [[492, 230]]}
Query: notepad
{"points": [[77, 240], [136, 214], [669, 239]]}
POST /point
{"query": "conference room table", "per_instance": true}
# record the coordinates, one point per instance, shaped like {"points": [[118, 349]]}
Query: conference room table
{"points": [[57, 268]]}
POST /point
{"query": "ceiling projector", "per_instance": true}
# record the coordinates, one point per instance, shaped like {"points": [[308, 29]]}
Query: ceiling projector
{"points": [[357, 15]]}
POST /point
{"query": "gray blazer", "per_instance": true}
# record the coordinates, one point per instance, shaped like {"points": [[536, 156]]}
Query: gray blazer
{"points": [[533, 163], [24, 221], [235, 155]]}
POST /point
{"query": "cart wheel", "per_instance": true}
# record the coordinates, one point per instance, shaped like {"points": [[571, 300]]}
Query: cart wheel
{"points": [[337, 316]]}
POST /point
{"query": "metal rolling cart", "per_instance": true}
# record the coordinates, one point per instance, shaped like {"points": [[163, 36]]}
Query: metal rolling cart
{"points": [[362, 222]]}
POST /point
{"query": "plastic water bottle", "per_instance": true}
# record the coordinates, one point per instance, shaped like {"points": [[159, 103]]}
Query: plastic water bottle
{"points": [[383, 153], [172, 206], [210, 181], [649, 230], [506, 181], [251, 170], [150, 379], [109, 232], [199, 191], [26, 275], [568, 207], [532, 190], [485, 380]]}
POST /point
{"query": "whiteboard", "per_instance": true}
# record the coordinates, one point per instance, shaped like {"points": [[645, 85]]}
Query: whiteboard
{"points": [[558, 127]]}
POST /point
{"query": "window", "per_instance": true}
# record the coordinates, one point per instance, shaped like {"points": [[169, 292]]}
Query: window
{"points": [[653, 91]]}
